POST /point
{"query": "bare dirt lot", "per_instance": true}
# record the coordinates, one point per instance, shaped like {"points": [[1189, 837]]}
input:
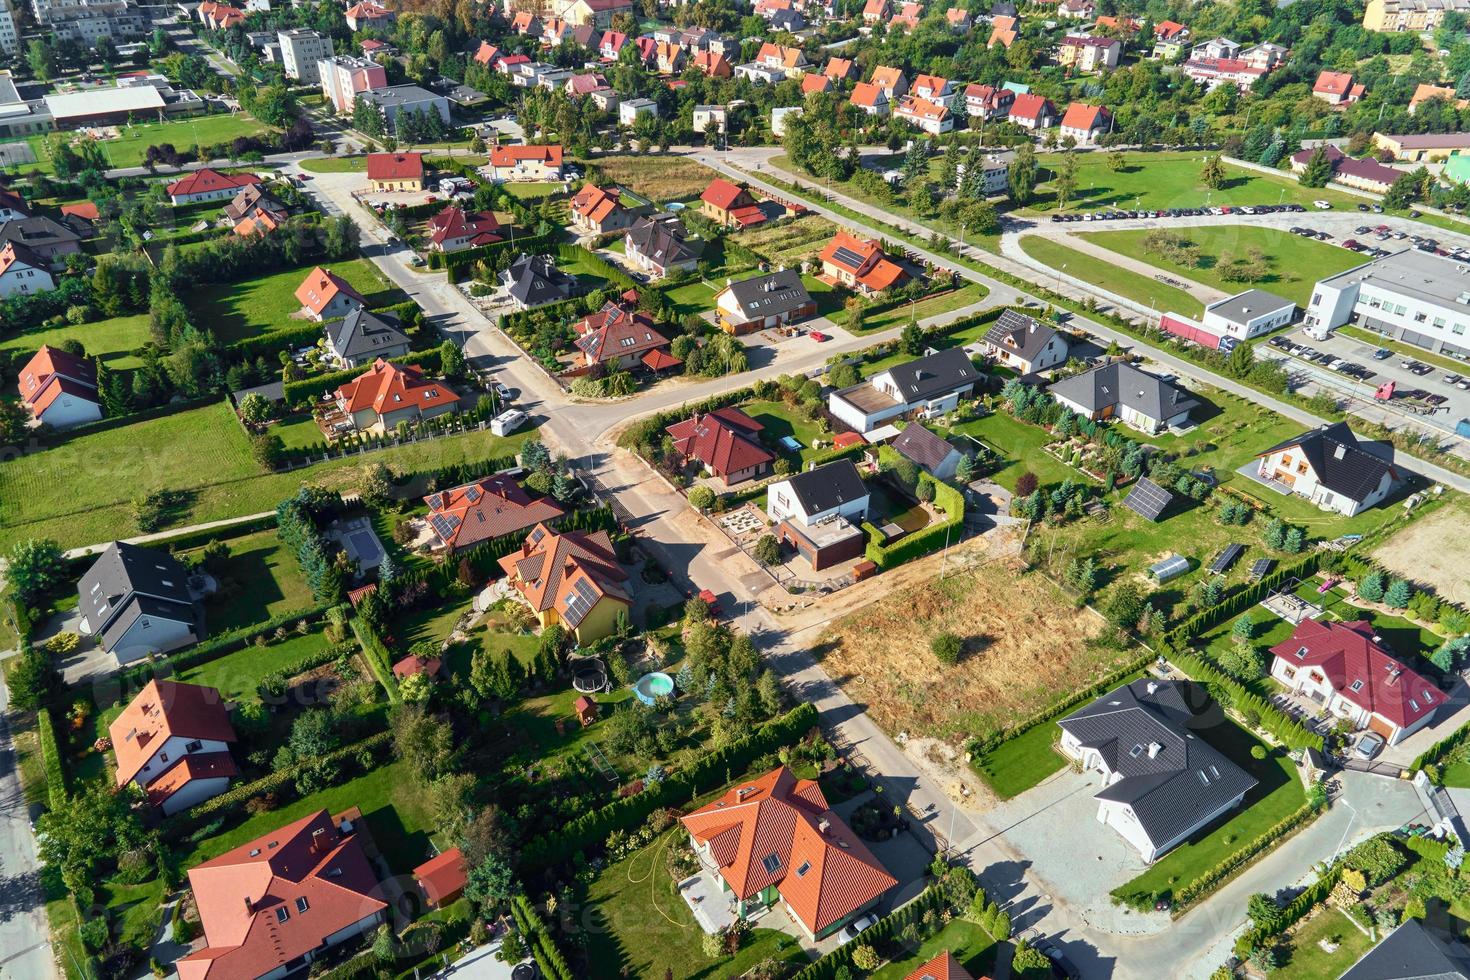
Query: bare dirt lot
{"points": [[659, 178], [1025, 646], [1434, 550]]}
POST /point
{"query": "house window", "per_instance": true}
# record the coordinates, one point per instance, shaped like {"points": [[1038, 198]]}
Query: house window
{"points": [[301, 904], [772, 863], [1356, 687], [194, 746], [1289, 672], [805, 867], [282, 914]]}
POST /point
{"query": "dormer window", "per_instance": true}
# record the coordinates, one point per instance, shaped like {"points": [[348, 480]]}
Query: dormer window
{"points": [[283, 914]]}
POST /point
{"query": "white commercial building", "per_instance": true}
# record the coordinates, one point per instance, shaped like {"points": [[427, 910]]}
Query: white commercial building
{"points": [[301, 49], [1248, 314], [1409, 296]]}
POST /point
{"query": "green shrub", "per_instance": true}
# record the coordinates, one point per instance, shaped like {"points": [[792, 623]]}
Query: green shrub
{"points": [[946, 648]]}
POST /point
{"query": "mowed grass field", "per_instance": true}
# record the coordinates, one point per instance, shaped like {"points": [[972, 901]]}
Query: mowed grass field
{"points": [[235, 311], [1124, 282], [111, 340], [133, 141], [1296, 262], [202, 452]]}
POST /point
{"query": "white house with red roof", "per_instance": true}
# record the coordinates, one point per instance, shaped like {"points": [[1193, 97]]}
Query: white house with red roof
{"points": [[988, 102], [271, 906], [389, 172], [60, 389], [208, 185], [726, 442], [173, 741], [1085, 123], [775, 840], [388, 393], [891, 80], [455, 229], [1337, 88], [942, 967], [23, 271], [931, 117], [489, 508], [932, 88], [1032, 112], [730, 205], [1346, 668], [523, 163], [324, 295], [369, 13], [870, 98], [860, 264]]}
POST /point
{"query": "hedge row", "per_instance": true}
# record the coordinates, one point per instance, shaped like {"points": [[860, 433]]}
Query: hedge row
{"points": [[138, 675], [310, 389], [275, 782], [567, 252], [273, 685], [548, 957], [1239, 601], [361, 965], [268, 344], [379, 661], [884, 929], [51, 758], [1282, 726], [1292, 914], [919, 543], [1441, 749], [1206, 883], [706, 773]]}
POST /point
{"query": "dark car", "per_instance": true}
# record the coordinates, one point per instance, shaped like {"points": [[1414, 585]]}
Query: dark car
{"points": [[1362, 207], [1414, 214], [1061, 967], [1382, 354]]}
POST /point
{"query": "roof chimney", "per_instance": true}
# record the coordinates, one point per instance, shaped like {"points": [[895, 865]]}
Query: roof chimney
{"points": [[824, 825], [1153, 749], [249, 906], [1153, 687]]}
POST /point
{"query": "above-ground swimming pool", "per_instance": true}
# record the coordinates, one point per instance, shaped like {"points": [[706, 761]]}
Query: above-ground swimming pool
{"points": [[652, 686]]}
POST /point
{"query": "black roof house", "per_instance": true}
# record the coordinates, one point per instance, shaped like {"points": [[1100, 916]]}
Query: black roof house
{"points": [[361, 334], [1341, 461], [662, 241], [127, 582], [1414, 951], [534, 280], [933, 375], [1171, 779], [1024, 336], [827, 487], [770, 295], [1120, 384]]}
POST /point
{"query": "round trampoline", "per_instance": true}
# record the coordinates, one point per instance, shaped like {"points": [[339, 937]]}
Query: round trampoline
{"points": [[651, 687], [590, 677], [523, 971]]}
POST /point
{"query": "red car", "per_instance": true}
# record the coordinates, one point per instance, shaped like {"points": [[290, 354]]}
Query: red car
{"points": [[818, 336]]}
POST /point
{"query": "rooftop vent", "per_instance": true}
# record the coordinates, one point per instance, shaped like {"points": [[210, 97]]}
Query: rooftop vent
{"points": [[1154, 748]]}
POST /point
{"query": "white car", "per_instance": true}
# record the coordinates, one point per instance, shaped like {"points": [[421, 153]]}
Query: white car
{"points": [[1322, 205], [850, 931]]}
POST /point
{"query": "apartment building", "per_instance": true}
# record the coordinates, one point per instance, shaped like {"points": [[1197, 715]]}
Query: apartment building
{"points": [[301, 49]]}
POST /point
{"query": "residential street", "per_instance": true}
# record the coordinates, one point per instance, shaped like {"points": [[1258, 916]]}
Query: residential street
{"points": [[25, 938]]}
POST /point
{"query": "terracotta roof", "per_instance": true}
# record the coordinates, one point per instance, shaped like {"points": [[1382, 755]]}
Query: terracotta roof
{"points": [[942, 967], [453, 223], [616, 331], [917, 108], [778, 830], [82, 209], [491, 507], [368, 10], [48, 370], [716, 65], [726, 440], [206, 181], [1082, 116], [864, 259], [1031, 107], [415, 664], [1003, 29], [386, 387], [886, 77], [612, 39], [933, 83], [162, 710], [659, 360], [18, 252], [321, 287], [395, 166], [442, 876], [1359, 668], [844, 439], [567, 572], [1423, 92], [777, 54], [815, 83], [1333, 83], [509, 156], [989, 96], [485, 54], [259, 223], [957, 15], [875, 8], [595, 204], [839, 69], [279, 897], [867, 94], [200, 765], [1167, 30], [724, 195]]}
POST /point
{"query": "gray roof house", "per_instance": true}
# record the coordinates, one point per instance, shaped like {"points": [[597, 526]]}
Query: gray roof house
{"points": [[1332, 467], [1024, 343], [1119, 390], [833, 489], [1161, 781], [47, 237], [361, 337], [763, 301], [657, 246], [930, 453], [1414, 951], [929, 385], [138, 601], [534, 280]]}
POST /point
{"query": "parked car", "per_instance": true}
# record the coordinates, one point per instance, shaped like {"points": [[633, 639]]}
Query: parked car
{"points": [[852, 929], [1322, 205], [1061, 967], [1450, 378], [1368, 746]]}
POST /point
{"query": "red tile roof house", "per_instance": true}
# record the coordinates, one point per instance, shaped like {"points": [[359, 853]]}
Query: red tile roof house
{"points": [[571, 578], [599, 211], [988, 101], [870, 98], [23, 271], [389, 172], [208, 185], [1345, 668], [617, 336], [1032, 112], [173, 741], [60, 389], [942, 967], [730, 204], [775, 839], [1085, 123], [726, 442], [1337, 88], [387, 394], [524, 163], [1366, 174], [414, 664], [860, 264], [441, 879], [489, 508], [324, 295], [271, 906], [454, 229]]}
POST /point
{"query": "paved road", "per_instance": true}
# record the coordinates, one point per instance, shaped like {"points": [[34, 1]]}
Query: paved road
{"points": [[25, 938]]}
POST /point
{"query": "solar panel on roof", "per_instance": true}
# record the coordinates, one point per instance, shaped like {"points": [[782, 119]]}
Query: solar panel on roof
{"points": [[580, 602], [1171, 567], [1148, 500], [473, 493], [1226, 558], [536, 535], [1261, 567], [436, 501], [847, 256]]}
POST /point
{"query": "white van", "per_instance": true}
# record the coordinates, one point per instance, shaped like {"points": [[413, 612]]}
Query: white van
{"points": [[507, 422]]}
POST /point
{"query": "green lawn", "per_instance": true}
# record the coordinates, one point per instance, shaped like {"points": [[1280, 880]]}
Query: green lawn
{"points": [[1296, 262], [1020, 444], [133, 141], [902, 314], [969, 944], [1159, 181], [111, 340], [586, 273], [1125, 282], [203, 452], [236, 675], [692, 297], [1306, 960], [259, 580], [135, 909], [396, 816], [534, 192], [644, 929], [298, 431], [1276, 796], [235, 311], [1018, 764], [335, 165], [781, 420]]}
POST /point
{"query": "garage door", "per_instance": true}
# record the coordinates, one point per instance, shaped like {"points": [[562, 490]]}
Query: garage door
{"points": [[1380, 726]]}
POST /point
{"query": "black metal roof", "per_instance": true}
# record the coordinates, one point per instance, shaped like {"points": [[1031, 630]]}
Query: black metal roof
{"points": [[771, 294], [1123, 384], [933, 375], [362, 333], [1413, 951], [1341, 462], [126, 581], [828, 486]]}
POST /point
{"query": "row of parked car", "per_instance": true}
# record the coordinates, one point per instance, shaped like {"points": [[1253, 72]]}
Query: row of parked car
{"points": [[1180, 212], [1330, 361]]}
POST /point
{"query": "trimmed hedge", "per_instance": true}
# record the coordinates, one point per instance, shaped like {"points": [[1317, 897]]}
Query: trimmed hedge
{"points": [[379, 661], [1242, 599], [1433, 755], [709, 772], [1282, 726], [454, 262], [922, 542], [51, 757], [274, 683], [1292, 914], [310, 389], [566, 252], [884, 929], [1205, 884], [548, 957], [295, 335]]}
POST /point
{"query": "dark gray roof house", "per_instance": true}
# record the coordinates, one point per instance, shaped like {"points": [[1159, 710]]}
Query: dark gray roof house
{"points": [[1414, 951], [789, 19], [659, 244], [1026, 342], [1163, 782], [1342, 463], [772, 294], [926, 450], [1119, 390], [138, 601], [938, 373], [534, 280], [828, 487], [49, 238], [361, 337]]}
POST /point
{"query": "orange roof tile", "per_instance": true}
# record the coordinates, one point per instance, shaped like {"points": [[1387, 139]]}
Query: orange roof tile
{"points": [[162, 710], [386, 387], [569, 572], [491, 507], [321, 287]]}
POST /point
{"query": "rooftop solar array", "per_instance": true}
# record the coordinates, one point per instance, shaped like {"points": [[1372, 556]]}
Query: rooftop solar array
{"points": [[536, 535], [1226, 558], [436, 501], [473, 493], [1261, 567], [580, 602], [1148, 500], [847, 257], [444, 525], [1171, 567]]}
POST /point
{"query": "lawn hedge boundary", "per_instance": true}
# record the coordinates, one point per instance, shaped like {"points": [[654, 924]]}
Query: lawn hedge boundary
{"points": [[710, 771], [884, 929], [375, 652], [1242, 599], [309, 389], [912, 546], [186, 540], [1292, 914], [1281, 726], [454, 262], [548, 957], [51, 758]]}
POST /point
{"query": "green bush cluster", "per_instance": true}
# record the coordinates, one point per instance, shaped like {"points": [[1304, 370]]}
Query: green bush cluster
{"points": [[1292, 914], [136, 677], [273, 685], [51, 758], [875, 935], [548, 957], [707, 772], [1229, 691], [379, 660]]}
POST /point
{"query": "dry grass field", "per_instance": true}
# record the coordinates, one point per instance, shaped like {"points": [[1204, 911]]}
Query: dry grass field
{"points": [[789, 242], [1434, 550], [661, 179], [1025, 646]]}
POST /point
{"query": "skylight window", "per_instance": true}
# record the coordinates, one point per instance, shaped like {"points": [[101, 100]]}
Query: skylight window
{"points": [[805, 867], [282, 914], [772, 863], [1356, 686], [1136, 751]]}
